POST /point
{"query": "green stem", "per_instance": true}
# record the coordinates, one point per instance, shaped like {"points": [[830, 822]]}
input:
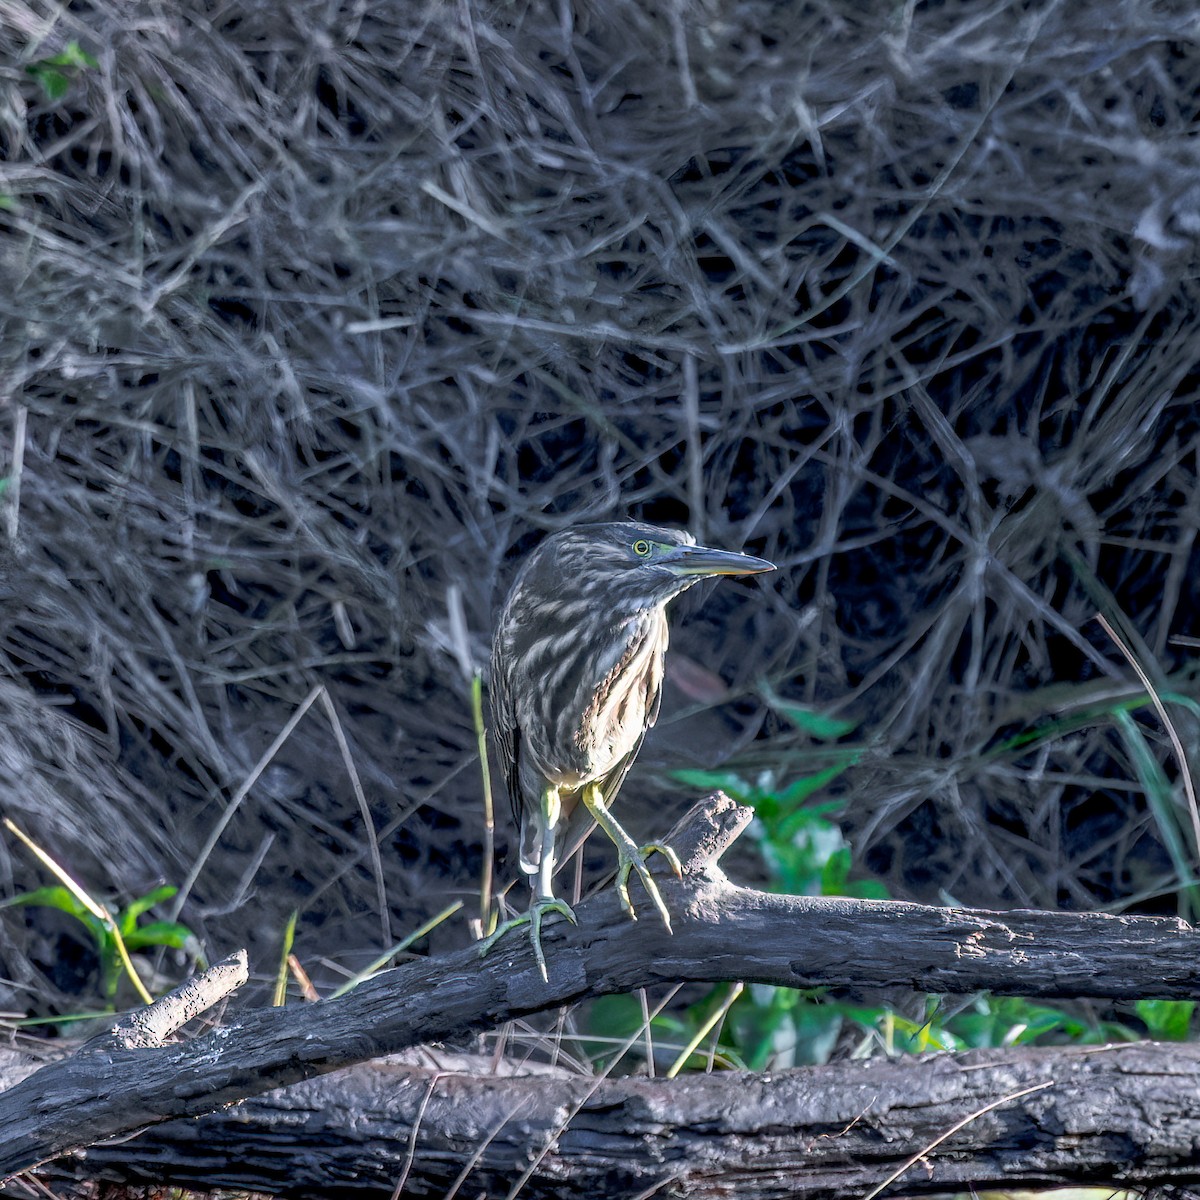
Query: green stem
{"points": [[489, 819]]}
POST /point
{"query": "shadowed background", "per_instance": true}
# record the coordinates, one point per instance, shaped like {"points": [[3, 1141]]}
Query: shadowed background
{"points": [[315, 319]]}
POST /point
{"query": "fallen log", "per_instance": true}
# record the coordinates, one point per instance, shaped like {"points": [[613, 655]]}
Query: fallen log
{"points": [[132, 1078]]}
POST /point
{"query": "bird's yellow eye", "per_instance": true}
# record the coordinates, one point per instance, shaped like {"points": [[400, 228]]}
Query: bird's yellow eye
{"points": [[641, 548]]}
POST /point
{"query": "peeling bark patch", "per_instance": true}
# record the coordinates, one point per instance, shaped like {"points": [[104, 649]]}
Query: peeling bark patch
{"points": [[972, 946]]}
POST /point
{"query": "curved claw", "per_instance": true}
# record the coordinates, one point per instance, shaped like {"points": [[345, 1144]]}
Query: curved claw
{"points": [[538, 909], [667, 853], [636, 861]]}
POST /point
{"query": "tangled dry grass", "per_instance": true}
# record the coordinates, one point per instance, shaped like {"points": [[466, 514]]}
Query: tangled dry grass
{"points": [[315, 317]]}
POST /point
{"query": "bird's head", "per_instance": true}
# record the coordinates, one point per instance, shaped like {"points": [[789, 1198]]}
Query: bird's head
{"points": [[628, 566]]}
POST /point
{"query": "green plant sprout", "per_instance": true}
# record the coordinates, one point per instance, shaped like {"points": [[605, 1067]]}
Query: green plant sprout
{"points": [[279, 996], [115, 936], [56, 73]]}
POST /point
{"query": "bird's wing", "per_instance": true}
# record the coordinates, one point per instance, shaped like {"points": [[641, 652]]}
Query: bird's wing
{"points": [[508, 740], [512, 777], [506, 734]]}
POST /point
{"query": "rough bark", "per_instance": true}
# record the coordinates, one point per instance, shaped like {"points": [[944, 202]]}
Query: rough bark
{"points": [[1116, 1115], [723, 932]]}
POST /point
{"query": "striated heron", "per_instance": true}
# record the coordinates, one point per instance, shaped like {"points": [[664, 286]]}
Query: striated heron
{"points": [[577, 668]]}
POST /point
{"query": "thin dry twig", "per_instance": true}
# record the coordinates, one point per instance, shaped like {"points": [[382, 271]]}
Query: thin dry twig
{"points": [[385, 912], [979, 1112], [243, 791]]}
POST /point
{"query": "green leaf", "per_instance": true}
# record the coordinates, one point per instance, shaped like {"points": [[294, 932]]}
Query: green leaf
{"points": [[815, 724], [610, 1019], [868, 889], [53, 82], [800, 791], [72, 55], [912, 1037], [50, 897], [129, 915], [1166, 1020], [754, 1028], [721, 781], [1160, 797], [56, 72], [836, 872], [65, 901], [149, 900], [161, 933], [802, 822], [816, 1030]]}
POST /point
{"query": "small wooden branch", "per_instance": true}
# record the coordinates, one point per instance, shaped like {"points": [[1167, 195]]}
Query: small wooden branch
{"points": [[1112, 1116], [151, 1026], [723, 932]]}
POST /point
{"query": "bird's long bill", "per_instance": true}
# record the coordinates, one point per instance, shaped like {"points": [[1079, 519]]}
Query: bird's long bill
{"points": [[700, 560]]}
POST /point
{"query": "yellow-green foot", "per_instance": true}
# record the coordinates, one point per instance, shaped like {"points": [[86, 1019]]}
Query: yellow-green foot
{"points": [[633, 858], [538, 909]]}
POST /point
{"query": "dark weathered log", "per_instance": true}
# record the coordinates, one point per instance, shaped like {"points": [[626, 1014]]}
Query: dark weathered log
{"points": [[723, 932], [1117, 1115]]}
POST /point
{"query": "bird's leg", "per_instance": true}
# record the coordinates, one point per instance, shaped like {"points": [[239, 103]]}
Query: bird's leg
{"points": [[544, 900], [630, 856]]}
